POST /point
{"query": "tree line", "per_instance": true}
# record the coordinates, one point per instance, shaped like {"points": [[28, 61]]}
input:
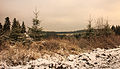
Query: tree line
{"points": [[16, 32], [13, 30], [116, 29], [101, 28]]}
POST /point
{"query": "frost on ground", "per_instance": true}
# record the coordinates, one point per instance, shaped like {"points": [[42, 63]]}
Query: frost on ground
{"points": [[96, 59]]}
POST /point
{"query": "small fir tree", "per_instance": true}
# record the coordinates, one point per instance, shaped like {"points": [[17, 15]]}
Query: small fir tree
{"points": [[6, 27], [23, 28]]}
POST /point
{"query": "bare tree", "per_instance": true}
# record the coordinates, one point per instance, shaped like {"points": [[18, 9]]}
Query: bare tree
{"points": [[102, 26], [100, 23]]}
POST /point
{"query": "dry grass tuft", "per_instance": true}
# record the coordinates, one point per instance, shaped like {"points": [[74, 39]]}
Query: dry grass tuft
{"points": [[18, 55]]}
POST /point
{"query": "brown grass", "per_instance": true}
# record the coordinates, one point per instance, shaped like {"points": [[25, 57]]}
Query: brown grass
{"points": [[19, 54]]}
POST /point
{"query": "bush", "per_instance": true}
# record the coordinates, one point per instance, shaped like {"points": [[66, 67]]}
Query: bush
{"points": [[51, 45]]}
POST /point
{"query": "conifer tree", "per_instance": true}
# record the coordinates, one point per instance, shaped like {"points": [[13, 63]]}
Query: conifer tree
{"points": [[0, 28], [117, 30], [16, 30], [113, 28], [35, 31], [16, 25], [23, 28], [6, 27]]}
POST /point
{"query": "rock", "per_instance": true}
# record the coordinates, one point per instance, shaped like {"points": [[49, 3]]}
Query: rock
{"points": [[95, 63], [84, 59], [103, 54], [51, 66], [80, 56]]}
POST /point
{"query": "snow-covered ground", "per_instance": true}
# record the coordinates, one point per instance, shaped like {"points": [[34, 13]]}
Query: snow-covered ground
{"points": [[96, 59]]}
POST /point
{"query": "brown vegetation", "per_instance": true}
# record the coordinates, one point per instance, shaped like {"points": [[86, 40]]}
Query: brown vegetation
{"points": [[15, 54]]}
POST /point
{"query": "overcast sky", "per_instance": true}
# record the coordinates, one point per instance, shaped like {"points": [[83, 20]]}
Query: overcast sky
{"points": [[61, 15]]}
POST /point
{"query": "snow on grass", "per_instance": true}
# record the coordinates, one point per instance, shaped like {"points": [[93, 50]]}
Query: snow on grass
{"points": [[96, 59]]}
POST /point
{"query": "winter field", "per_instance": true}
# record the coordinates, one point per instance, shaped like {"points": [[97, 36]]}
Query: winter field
{"points": [[95, 59], [62, 54]]}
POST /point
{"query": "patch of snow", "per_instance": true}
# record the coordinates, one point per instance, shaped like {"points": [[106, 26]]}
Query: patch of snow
{"points": [[96, 59]]}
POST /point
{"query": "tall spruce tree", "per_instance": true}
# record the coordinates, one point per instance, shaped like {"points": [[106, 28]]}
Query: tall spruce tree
{"points": [[23, 28], [35, 31], [6, 27]]}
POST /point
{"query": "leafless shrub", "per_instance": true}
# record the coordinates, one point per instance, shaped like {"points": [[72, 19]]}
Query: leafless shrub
{"points": [[51, 45]]}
